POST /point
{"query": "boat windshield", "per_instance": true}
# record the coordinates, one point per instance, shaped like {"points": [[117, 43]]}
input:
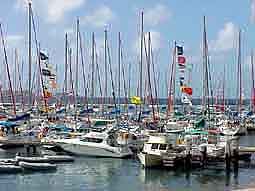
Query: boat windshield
{"points": [[92, 140], [162, 146], [154, 146]]}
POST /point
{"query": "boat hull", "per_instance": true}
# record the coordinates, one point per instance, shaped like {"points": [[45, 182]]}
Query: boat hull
{"points": [[86, 150], [149, 160]]}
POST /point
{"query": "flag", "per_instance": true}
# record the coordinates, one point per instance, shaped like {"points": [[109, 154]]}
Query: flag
{"points": [[46, 72], [47, 94], [179, 50], [181, 66], [136, 100], [182, 70], [181, 60], [43, 56], [186, 89], [190, 67], [53, 83], [181, 77]]}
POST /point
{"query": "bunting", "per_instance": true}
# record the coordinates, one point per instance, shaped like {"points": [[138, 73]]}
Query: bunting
{"points": [[181, 60]]}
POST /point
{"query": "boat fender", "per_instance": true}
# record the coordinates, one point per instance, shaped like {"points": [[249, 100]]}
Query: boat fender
{"points": [[40, 135]]}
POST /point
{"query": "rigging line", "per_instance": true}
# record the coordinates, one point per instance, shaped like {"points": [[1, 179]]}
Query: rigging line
{"points": [[111, 74], [39, 63]]}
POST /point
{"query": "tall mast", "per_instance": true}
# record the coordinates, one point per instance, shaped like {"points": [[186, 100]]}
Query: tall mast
{"points": [[119, 54], [141, 66], [65, 85], [29, 55], [205, 98], [93, 67], [253, 84], [71, 75], [8, 71], [149, 78], [224, 81], [239, 73], [105, 63], [171, 91], [77, 66]]}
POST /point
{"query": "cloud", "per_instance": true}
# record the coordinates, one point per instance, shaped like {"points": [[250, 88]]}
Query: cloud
{"points": [[225, 39], [252, 16], [156, 41], [156, 15], [99, 18], [52, 10]]}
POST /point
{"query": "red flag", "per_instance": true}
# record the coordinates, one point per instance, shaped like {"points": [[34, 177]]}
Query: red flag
{"points": [[186, 90], [181, 59]]}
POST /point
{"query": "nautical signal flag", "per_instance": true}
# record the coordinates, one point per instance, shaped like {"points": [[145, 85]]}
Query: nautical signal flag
{"points": [[181, 59], [47, 94], [46, 72], [43, 56], [136, 100], [187, 90], [179, 50]]}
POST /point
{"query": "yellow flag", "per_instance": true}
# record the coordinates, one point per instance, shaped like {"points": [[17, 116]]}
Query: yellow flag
{"points": [[136, 100]]}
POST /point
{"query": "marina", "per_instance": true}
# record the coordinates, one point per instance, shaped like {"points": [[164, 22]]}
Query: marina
{"points": [[80, 109]]}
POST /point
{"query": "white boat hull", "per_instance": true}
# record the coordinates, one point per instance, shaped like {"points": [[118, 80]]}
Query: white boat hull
{"points": [[86, 150], [149, 160]]}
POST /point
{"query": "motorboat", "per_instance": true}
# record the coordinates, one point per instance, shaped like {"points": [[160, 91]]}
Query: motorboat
{"points": [[95, 144], [151, 154], [37, 166]]}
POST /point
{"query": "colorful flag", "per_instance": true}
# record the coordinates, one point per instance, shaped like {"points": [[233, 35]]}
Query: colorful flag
{"points": [[47, 94], [179, 50], [53, 83], [43, 56], [182, 70], [181, 66], [186, 89], [46, 72], [136, 100], [189, 67], [181, 60]]}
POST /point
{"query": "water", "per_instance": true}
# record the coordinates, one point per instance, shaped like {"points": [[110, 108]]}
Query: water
{"points": [[126, 175]]}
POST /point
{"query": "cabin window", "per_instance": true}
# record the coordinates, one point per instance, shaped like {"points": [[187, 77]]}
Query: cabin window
{"points": [[92, 140], [162, 147], [154, 146]]}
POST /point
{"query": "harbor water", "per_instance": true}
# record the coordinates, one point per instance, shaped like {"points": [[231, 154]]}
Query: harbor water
{"points": [[106, 174]]}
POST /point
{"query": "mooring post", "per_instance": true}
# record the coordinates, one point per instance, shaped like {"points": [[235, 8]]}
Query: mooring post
{"points": [[204, 155], [28, 149], [227, 156], [235, 154], [34, 149]]}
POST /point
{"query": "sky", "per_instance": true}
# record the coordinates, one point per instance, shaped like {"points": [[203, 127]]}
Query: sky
{"points": [[167, 20]]}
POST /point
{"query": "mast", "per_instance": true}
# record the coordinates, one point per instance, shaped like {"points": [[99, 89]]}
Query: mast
{"points": [[77, 67], [141, 67], [149, 78], [239, 73], [93, 68], [105, 65], [253, 84], [119, 54], [171, 91], [224, 81], [112, 80], [8, 71], [29, 55], [65, 85], [71, 75], [206, 98]]}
